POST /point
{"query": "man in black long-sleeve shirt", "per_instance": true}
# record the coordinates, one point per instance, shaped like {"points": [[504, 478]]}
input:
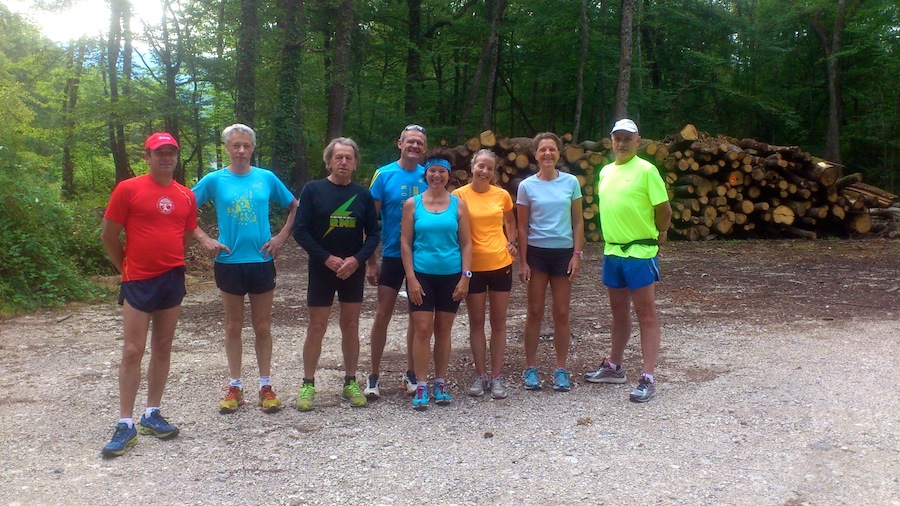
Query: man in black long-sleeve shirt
{"points": [[338, 226]]}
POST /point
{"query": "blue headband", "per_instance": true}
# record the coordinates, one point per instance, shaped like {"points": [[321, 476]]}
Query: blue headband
{"points": [[438, 161]]}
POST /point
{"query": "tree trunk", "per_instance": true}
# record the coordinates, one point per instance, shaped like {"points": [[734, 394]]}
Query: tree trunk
{"points": [[340, 69], [479, 70], [487, 118], [287, 142], [220, 54], [169, 55], [625, 45], [413, 73], [119, 11], [832, 44], [579, 98], [75, 68], [247, 58], [198, 126], [638, 53]]}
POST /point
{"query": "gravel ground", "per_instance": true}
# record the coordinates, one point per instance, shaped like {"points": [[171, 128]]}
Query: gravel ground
{"points": [[794, 409]]}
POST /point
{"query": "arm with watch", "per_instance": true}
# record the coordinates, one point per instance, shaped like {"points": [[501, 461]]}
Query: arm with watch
{"points": [[465, 249], [577, 238]]}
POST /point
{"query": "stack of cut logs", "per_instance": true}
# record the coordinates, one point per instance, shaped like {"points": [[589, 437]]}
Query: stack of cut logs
{"points": [[718, 186]]}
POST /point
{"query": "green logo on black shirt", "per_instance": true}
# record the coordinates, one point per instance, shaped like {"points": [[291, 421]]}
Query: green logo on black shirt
{"points": [[341, 218]]}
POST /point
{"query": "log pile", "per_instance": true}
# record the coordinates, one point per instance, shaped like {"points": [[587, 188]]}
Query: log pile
{"points": [[886, 221], [718, 186], [516, 162]]}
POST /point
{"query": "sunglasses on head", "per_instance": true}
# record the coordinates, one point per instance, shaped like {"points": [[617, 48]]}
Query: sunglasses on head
{"points": [[414, 127]]}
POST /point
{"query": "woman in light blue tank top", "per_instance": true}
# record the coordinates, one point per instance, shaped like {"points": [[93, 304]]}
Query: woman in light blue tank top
{"points": [[436, 248]]}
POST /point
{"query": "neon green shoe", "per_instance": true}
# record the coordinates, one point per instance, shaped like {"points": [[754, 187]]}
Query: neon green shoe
{"points": [[305, 397], [353, 394]]}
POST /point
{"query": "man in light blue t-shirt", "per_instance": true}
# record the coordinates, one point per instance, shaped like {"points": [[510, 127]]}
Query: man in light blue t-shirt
{"points": [[391, 186], [245, 251]]}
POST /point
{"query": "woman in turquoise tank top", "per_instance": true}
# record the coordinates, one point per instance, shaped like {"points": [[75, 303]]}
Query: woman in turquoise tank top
{"points": [[436, 249]]}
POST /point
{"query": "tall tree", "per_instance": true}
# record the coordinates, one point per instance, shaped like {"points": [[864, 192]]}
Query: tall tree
{"points": [[119, 29], [288, 147], [220, 56], [832, 44], [413, 55], [625, 52], [487, 116], [75, 67], [417, 35], [579, 79], [339, 71], [168, 48], [486, 59], [247, 58]]}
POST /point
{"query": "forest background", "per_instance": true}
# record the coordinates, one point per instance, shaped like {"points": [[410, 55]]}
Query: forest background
{"points": [[821, 74]]}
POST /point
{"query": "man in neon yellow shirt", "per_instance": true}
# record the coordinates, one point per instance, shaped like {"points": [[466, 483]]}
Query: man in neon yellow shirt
{"points": [[634, 215]]}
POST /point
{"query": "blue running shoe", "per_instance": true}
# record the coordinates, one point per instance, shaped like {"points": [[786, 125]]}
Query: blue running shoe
{"points": [[531, 379], [561, 380], [441, 396], [420, 399], [123, 438], [157, 426]]}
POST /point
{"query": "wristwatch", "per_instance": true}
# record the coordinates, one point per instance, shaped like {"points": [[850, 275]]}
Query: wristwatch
{"points": [[467, 274], [579, 252]]}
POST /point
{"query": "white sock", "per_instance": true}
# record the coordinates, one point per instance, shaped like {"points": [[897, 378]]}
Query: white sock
{"points": [[149, 411], [648, 376], [264, 381], [238, 382], [127, 421], [612, 365]]}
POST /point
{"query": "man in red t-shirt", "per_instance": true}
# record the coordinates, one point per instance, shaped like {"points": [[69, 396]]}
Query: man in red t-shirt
{"points": [[158, 216]]}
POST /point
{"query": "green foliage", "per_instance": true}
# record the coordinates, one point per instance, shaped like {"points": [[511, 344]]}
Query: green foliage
{"points": [[48, 248], [745, 68]]}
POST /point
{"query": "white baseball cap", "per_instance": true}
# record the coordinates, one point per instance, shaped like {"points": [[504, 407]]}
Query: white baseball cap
{"points": [[626, 125]]}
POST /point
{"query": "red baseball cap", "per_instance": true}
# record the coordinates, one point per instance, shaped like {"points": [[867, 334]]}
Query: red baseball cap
{"points": [[159, 140]]}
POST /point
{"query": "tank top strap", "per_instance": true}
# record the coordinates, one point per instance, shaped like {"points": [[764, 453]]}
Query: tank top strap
{"points": [[453, 207]]}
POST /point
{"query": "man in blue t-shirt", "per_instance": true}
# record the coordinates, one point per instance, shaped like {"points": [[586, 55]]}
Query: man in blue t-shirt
{"points": [[391, 186], [245, 251]]}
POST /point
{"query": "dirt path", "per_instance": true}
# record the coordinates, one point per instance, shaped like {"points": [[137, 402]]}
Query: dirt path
{"points": [[778, 385]]}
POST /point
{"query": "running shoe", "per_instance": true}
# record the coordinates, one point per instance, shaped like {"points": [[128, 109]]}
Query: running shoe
{"points": [[122, 439], [420, 400], [498, 389], [606, 374], [561, 380], [157, 426], [373, 388], [233, 399], [268, 401], [305, 397], [479, 385], [441, 395], [644, 391], [409, 382], [353, 394], [532, 382]]}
